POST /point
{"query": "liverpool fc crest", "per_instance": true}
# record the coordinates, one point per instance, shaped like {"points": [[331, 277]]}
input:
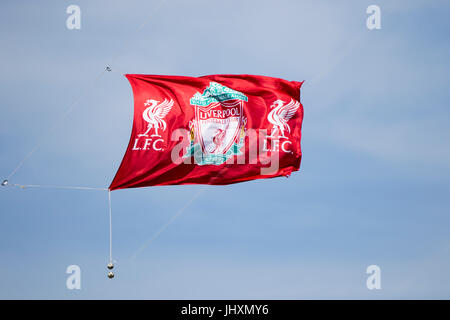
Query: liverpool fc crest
{"points": [[218, 129]]}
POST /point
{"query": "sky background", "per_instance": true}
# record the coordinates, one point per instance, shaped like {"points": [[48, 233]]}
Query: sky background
{"points": [[373, 187]]}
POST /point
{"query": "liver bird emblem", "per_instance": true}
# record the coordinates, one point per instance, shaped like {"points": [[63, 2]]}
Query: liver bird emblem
{"points": [[154, 115], [218, 139], [280, 115]]}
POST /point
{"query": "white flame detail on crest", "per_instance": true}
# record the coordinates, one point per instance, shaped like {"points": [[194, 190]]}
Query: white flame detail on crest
{"points": [[154, 115], [280, 116]]}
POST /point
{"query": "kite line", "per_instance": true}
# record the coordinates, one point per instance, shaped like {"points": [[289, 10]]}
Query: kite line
{"points": [[76, 101], [177, 214], [53, 127], [24, 186], [70, 109], [168, 223]]}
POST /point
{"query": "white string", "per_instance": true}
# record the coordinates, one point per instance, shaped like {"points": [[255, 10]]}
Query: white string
{"points": [[114, 58], [60, 120], [177, 214], [23, 186], [168, 223], [338, 59], [110, 227], [54, 126], [72, 106]]}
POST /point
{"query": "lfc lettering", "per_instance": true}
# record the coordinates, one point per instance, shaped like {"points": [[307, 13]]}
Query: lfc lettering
{"points": [[148, 144], [270, 144]]}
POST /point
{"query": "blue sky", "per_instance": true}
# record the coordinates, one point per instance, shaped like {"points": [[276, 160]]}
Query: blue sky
{"points": [[373, 186]]}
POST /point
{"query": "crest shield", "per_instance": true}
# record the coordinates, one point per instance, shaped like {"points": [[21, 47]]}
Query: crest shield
{"points": [[218, 122], [217, 126]]}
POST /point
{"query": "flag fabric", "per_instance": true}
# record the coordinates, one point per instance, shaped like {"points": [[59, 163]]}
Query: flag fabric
{"points": [[216, 129]]}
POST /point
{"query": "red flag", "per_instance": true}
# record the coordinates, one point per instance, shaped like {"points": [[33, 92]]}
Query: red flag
{"points": [[217, 129]]}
